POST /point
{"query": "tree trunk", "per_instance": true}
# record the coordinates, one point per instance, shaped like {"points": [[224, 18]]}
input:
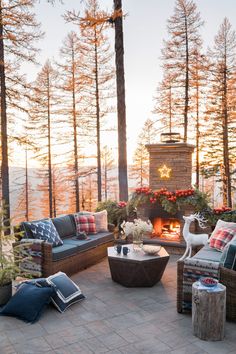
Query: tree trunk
{"points": [[197, 134], [4, 138], [186, 84], [99, 169], [50, 189], [121, 108], [227, 177], [76, 175], [26, 186], [54, 195]]}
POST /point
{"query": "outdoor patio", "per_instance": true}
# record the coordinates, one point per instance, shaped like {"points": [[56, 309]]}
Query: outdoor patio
{"points": [[114, 319]]}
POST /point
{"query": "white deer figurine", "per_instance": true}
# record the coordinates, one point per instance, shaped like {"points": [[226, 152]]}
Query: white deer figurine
{"points": [[193, 239]]}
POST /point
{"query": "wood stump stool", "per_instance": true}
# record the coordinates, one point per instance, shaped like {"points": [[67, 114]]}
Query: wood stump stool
{"points": [[208, 311]]}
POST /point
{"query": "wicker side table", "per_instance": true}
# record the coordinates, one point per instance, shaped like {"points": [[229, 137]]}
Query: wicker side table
{"points": [[208, 311]]}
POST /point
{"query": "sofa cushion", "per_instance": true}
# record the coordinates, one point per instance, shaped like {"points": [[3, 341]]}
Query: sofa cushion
{"points": [[208, 254], [25, 226], [73, 245], [85, 223], [45, 230], [66, 291], [65, 226], [221, 237], [28, 302], [63, 251], [220, 224], [229, 259]]}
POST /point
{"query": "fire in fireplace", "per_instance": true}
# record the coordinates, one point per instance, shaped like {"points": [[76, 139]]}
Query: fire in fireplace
{"points": [[167, 228]]}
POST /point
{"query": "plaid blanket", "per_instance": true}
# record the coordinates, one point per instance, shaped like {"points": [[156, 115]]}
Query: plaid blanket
{"points": [[28, 255], [193, 270]]}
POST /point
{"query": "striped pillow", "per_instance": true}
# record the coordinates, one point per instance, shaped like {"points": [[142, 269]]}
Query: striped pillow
{"points": [[85, 223], [221, 238]]}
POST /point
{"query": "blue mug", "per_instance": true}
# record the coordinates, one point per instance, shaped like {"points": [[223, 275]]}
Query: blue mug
{"points": [[126, 250], [118, 249]]}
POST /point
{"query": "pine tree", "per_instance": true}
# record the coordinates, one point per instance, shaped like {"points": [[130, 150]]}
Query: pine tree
{"points": [[18, 31], [99, 73], [104, 19], [179, 52], [42, 109], [140, 169], [108, 164], [219, 142], [72, 87], [166, 103]]}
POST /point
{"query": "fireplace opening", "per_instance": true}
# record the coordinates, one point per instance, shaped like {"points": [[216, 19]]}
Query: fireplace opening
{"points": [[166, 228]]}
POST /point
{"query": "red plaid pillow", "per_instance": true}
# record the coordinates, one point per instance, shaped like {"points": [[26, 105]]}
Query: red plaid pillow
{"points": [[85, 223], [221, 238]]}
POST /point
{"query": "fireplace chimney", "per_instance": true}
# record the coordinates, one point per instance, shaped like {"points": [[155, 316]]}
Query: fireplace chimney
{"points": [[170, 165]]}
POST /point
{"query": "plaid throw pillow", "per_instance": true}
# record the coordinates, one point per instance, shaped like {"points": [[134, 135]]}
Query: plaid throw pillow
{"points": [[221, 238], [85, 223]]}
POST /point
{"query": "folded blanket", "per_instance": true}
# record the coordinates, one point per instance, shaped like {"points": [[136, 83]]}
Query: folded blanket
{"points": [[193, 270]]}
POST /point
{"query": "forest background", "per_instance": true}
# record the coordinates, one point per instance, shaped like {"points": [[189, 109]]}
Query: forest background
{"points": [[42, 153]]}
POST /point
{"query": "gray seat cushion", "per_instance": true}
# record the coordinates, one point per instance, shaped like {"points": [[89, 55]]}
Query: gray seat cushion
{"points": [[63, 251], [208, 254], [72, 245]]}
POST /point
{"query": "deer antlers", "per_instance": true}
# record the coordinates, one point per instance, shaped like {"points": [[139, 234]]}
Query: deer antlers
{"points": [[201, 220]]}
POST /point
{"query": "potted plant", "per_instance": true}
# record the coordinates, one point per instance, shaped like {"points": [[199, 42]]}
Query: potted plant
{"points": [[8, 267]]}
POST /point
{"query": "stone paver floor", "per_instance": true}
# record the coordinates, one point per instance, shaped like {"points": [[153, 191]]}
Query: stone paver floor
{"points": [[114, 319]]}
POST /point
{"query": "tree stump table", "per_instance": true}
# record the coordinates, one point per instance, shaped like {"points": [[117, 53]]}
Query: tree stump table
{"points": [[208, 311]]}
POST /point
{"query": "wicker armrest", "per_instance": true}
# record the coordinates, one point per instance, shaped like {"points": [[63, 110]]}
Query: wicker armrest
{"points": [[111, 227], [228, 278], [180, 269]]}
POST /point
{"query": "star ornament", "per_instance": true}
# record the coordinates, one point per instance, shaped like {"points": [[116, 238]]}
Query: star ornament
{"points": [[164, 171]]}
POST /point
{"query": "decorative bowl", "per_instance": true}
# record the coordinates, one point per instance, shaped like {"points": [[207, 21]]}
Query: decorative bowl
{"points": [[151, 250], [209, 282]]}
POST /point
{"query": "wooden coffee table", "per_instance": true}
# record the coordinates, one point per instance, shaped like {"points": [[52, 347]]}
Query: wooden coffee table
{"points": [[137, 269]]}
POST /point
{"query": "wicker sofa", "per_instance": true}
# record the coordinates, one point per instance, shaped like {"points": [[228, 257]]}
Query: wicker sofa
{"points": [[205, 262], [74, 255]]}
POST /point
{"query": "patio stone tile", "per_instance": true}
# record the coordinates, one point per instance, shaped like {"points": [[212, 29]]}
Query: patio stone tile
{"points": [[4, 340], [74, 349], [149, 346], [95, 345], [75, 334], [191, 348], [175, 340], [54, 340], [53, 325], [127, 335], [218, 347], [8, 349], [98, 327], [9, 323], [112, 340], [146, 330], [35, 345], [15, 335]]}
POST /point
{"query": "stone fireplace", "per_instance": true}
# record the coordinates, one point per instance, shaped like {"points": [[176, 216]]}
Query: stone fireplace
{"points": [[170, 168]]}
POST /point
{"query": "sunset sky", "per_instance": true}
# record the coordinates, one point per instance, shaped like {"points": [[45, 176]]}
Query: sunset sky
{"points": [[144, 31]]}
